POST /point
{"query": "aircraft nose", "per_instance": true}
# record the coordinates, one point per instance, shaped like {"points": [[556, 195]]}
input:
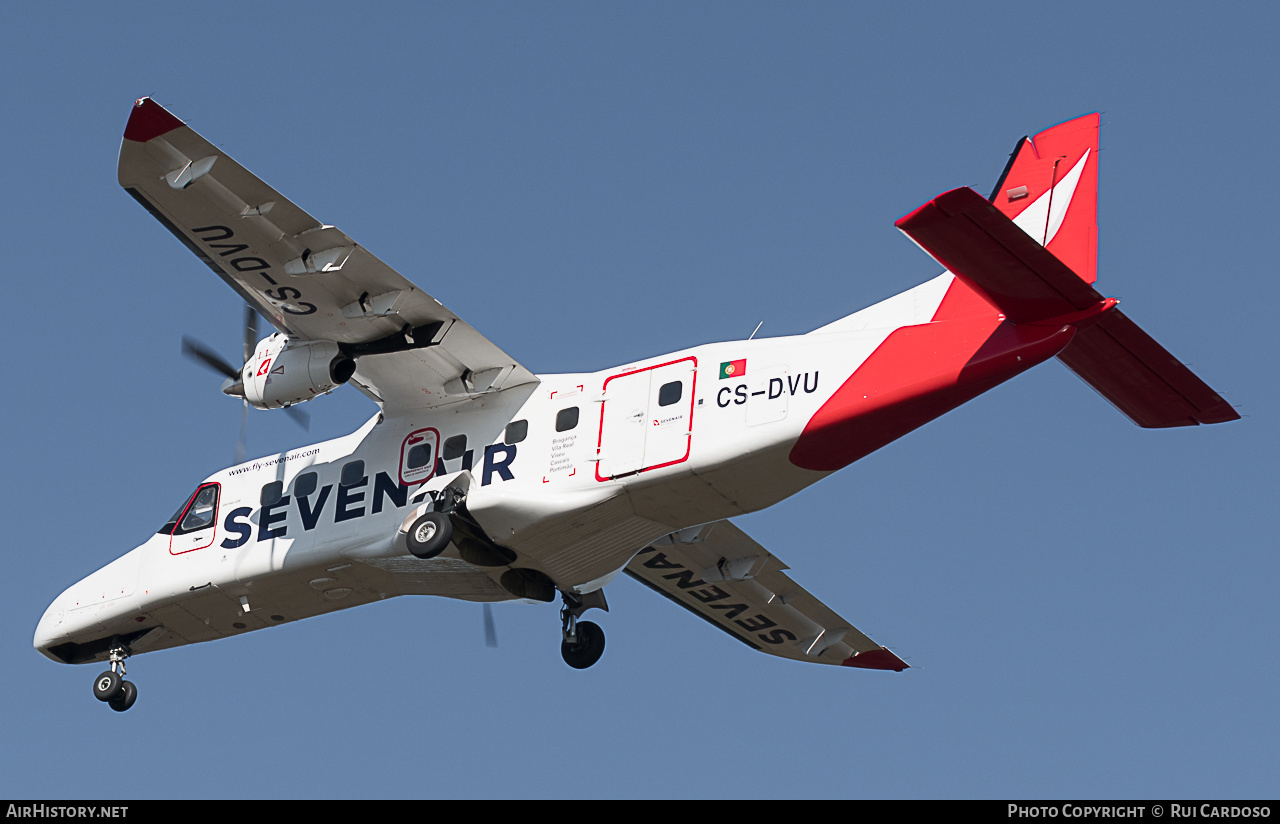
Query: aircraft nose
{"points": [[89, 611], [51, 629]]}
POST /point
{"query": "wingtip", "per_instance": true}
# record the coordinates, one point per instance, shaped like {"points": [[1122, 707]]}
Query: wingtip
{"points": [[148, 120], [881, 659], [1221, 412], [950, 203]]}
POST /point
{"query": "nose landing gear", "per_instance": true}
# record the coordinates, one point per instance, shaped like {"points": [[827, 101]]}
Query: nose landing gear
{"points": [[111, 688]]}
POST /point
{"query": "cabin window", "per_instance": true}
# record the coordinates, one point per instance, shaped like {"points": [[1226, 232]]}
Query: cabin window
{"points": [[419, 456], [566, 419], [271, 493], [454, 447], [352, 474], [305, 484], [515, 432], [670, 393]]}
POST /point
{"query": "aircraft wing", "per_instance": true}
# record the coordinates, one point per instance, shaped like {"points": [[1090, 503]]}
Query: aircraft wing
{"points": [[721, 575], [309, 279]]}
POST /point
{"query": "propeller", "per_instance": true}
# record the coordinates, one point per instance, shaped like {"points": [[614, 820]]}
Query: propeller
{"points": [[490, 631], [197, 351]]}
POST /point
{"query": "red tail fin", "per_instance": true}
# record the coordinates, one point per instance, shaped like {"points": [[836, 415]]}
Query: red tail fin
{"points": [[1050, 189]]}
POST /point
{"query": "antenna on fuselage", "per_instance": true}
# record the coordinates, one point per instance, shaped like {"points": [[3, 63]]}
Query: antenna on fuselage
{"points": [[757, 329]]}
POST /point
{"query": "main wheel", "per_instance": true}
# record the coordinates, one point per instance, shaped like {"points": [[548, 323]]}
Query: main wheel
{"points": [[123, 701], [429, 535], [587, 650], [107, 686]]}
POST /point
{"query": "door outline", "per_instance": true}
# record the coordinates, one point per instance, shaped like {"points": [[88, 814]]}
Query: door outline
{"points": [[409, 440], [649, 409]]}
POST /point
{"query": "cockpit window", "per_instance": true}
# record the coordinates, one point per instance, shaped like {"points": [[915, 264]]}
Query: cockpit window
{"points": [[196, 514], [201, 512], [167, 529]]}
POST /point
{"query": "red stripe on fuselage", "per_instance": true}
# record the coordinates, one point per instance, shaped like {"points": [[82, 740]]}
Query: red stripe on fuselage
{"points": [[918, 373]]}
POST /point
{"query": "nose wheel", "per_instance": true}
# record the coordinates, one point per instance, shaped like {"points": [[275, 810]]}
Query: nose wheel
{"points": [[583, 642], [111, 688]]}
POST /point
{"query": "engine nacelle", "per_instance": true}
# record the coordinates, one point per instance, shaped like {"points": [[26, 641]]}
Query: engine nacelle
{"points": [[283, 372]]}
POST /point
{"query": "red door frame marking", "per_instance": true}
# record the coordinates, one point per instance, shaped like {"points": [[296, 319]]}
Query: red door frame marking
{"points": [[213, 527], [434, 454], [693, 393]]}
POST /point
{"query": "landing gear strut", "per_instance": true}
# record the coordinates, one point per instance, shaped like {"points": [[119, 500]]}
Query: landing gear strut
{"points": [[111, 687], [583, 642]]}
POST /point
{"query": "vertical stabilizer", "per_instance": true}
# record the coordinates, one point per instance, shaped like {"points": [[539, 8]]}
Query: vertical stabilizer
{"points": [[1050, 190]]}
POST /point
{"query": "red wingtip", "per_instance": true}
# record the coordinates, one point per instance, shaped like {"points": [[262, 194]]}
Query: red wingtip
{"points": [[880, 659], [149, 120]]}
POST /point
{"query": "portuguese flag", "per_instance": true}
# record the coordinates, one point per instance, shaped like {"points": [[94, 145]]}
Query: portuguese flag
{"points": [[733, 369]]}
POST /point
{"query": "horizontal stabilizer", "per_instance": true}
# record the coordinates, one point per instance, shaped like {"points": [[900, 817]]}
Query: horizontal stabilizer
{"points": [[961, 230], [1026, 282], [1140, 377]]}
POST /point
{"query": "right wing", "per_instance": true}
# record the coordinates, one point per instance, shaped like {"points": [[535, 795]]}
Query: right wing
{"points": [[720, 574], [309, 279]]}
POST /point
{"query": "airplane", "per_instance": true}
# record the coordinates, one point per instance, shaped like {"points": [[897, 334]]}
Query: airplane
{"points": [[479, 480]]}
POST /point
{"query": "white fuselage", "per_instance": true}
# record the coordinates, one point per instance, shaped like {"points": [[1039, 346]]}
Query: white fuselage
{"points": [[574, 500], [573, 474]]}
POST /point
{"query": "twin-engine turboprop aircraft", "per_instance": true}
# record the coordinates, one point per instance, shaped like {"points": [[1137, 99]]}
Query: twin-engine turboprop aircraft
{"points": [[481, 481]]}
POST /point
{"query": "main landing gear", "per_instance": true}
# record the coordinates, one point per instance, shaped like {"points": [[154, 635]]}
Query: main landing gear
{"points": [[583, 642], [111, 687]]}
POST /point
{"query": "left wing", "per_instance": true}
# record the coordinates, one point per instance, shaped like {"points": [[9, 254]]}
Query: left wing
{"points": [[720, 574], [309, 279]]}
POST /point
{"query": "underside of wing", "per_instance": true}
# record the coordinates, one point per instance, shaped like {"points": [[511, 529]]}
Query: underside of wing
{"points": [[720, 574], [309, 279]]}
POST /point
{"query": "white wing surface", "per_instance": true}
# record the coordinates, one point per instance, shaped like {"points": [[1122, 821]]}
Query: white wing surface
{"points": [[720, 574], [308, 278]]}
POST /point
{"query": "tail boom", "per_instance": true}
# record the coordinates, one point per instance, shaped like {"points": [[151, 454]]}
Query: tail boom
{"points": [[917, 374]]}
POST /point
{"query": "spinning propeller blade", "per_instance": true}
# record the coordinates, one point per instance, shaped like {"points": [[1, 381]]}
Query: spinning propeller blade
{"points": [[250, 331], [243, 439], [197, 351], [490, 631], [300, 417]]}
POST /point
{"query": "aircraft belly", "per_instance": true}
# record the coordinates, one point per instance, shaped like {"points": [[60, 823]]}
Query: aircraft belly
{"points": [[442, 577], [590, 544], [683, 501], [760, 479]]}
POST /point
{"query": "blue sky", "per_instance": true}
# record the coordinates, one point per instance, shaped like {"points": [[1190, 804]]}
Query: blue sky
{"points": [[1088, 608]]}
